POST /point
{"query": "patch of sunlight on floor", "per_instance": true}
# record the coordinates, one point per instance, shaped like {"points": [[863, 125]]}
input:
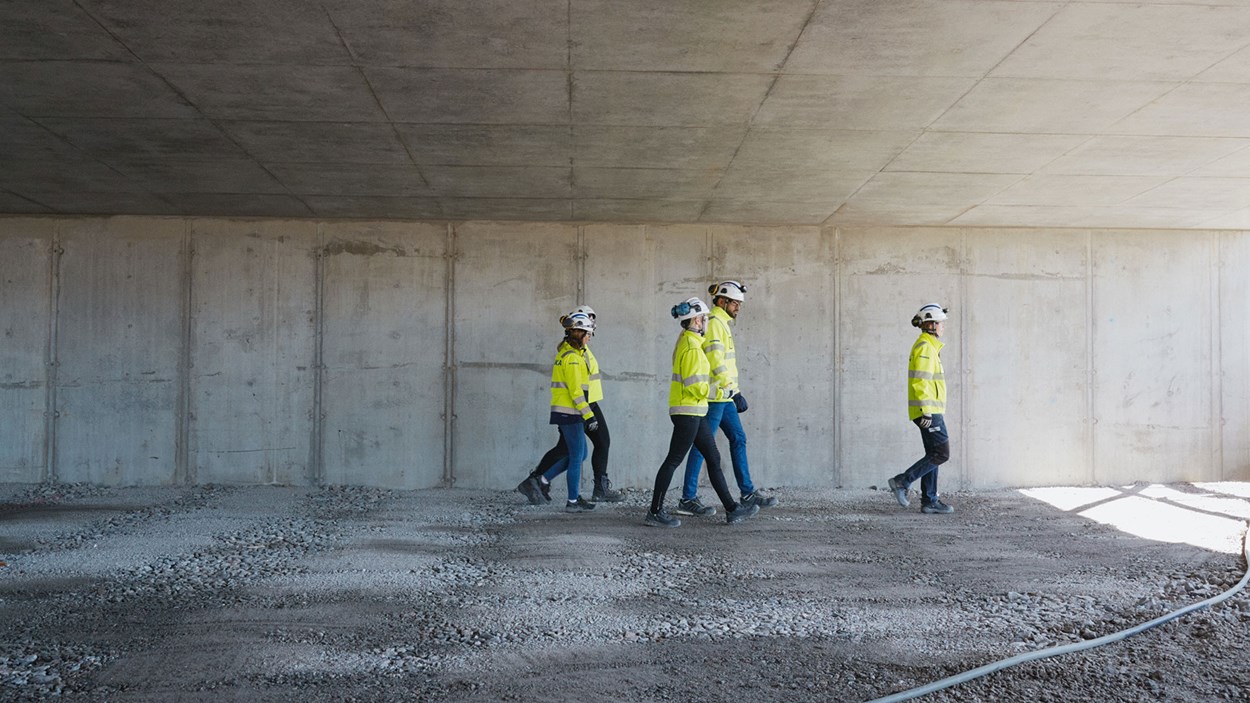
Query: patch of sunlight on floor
{"points": [[1071, 497], [1232, 507], [1232, 488], [1161, 513]]}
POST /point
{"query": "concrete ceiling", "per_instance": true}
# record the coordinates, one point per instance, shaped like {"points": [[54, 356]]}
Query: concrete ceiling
{"points": [[899, 112]]}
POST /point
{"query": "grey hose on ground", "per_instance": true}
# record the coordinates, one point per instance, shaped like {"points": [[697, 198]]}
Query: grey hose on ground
{"points": [[1075, 647]]}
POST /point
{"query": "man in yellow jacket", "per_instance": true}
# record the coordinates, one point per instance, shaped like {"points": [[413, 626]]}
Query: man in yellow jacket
{"points": [[687, 409], [926, 406], [725, 402]]}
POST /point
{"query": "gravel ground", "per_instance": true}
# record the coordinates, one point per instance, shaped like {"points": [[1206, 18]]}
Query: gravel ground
{"points": [[309, 594]]}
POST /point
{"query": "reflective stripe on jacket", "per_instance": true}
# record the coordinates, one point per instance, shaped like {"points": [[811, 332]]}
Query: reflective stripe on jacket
{"points": [[687, 391], [718, 344], [594, 393], [569, 381], [926, 384]]}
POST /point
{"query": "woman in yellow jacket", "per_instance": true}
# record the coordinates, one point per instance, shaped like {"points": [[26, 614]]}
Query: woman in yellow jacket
{"points": [[570, 412], [687, 409], [596, 431]]}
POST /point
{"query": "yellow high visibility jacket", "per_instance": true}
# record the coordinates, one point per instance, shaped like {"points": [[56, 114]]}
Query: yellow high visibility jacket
{"points": [[594, 393], [926, 384], [687, 393], [569, 382], [718, 344]]}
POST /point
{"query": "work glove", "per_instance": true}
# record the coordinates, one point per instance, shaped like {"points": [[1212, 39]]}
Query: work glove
{"points": [[593, 425], [740, 402], [925, 421]]}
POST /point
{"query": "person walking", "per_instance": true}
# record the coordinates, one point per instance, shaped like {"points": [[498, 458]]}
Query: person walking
{"points": [[599, 437], [570, 412], [926, 406], [725, 403], [687, 409]]}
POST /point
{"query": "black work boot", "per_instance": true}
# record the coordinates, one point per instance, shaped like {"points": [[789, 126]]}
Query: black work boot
{"points": [[603, 491]]}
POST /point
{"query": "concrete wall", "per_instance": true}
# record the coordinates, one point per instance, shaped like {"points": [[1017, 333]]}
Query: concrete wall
{"points": [[407, 354]]}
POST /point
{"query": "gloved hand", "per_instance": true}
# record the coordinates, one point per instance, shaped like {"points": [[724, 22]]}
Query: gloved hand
{"points": [[925, 421], [740, 402], [593, 425]]}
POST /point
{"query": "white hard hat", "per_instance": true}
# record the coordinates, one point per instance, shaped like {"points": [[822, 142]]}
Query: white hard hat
{"points": [[728, 289], [578, 321], [929, 313], [585, 310], [690, 307]]}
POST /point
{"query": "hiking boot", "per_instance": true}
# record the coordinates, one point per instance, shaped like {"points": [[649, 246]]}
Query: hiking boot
{"points": [[604, 493], [760, 499], [742, 512], [694, 507], [545, 488], [581, 505], [937, 507], [530, 489], [660, 519], [900, 493]]}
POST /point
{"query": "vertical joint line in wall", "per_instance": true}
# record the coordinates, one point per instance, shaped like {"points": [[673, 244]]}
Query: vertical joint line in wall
{"points": [[837, 357], [318, 468], [449, 356], [53, 363], [1091, 328], [184, 471], [965, 374], [1217, 356]]}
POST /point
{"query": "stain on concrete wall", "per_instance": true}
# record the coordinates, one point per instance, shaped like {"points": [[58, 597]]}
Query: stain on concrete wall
{"points": [[25, 312], [384, 337], [119, 342], [252, 352], [1152, 357]]}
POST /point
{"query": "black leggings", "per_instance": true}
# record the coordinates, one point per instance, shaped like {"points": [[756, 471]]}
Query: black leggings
{"points": [[691, 430], [598, 460]]}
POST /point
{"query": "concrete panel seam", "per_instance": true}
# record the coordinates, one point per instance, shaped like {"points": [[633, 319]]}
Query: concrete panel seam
{"points": [[449, 355], [1091, 331], [51, 412], [836, 334], [1217, 359], [965, 471], [316, 467], [184, 471]]}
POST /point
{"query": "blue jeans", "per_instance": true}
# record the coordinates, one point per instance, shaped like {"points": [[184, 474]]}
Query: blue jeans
{"points": [[937, 450], [725, 416], [575, 440]]}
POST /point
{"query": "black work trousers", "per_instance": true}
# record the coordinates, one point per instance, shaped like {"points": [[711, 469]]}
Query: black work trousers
{"points": [[599, 438], [691, 430]]}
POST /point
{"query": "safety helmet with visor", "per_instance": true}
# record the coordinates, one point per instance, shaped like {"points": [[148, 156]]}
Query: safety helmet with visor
{"points": [[689, 308], [578, 321], [929, 313]]}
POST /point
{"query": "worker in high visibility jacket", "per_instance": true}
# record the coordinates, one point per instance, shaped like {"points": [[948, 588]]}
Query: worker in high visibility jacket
{"points": [[599, 436], [725, 402], [926, 406], [687, 409], [570, 411]]}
